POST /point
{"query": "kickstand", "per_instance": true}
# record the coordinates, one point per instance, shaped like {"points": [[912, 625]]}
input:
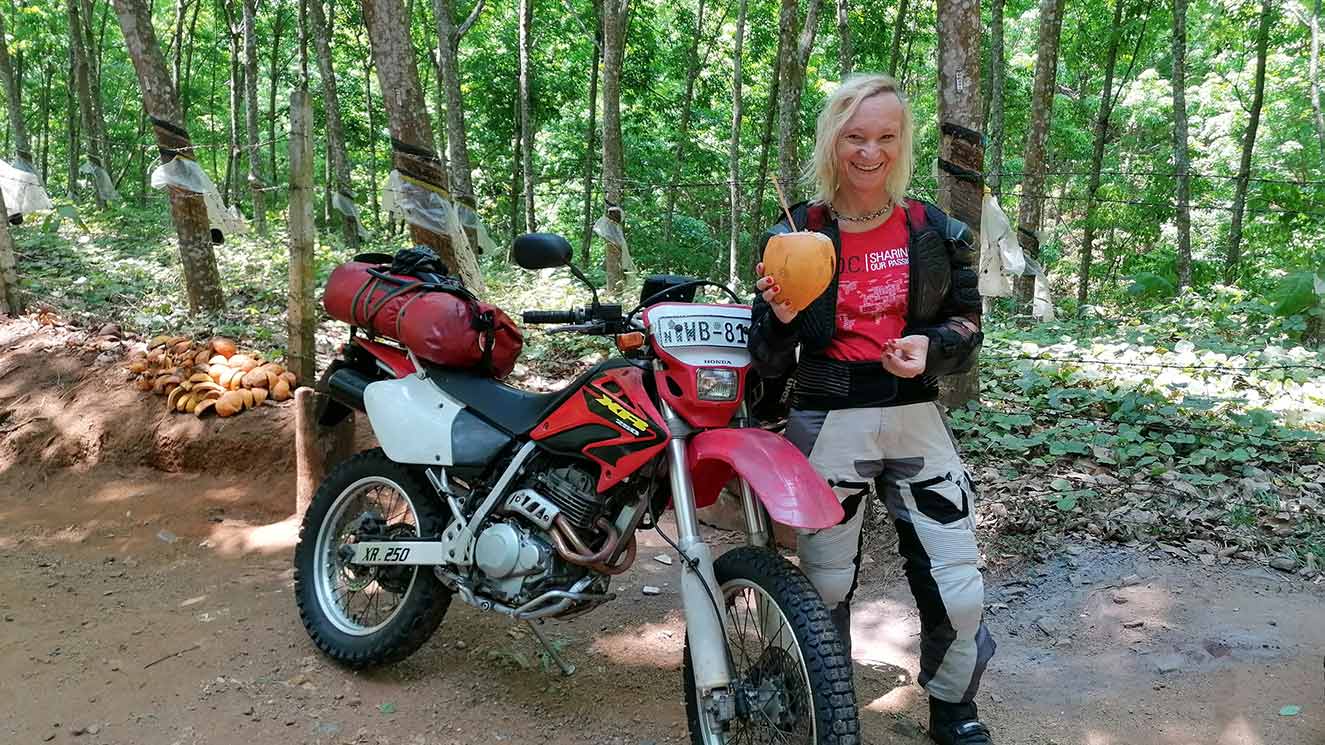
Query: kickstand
{"points": [[567, 669]]}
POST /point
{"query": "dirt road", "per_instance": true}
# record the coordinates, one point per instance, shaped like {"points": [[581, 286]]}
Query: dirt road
{"points": [[142, 607]]}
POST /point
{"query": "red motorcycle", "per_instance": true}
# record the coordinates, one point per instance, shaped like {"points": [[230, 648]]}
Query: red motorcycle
{"points": [[528, 503]]}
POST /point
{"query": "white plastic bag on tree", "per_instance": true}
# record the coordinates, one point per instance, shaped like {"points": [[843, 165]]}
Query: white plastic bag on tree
{"points": [[23, 190], [1000, 254], [348, 208], [185, 174], [1042, 302], [422, 205], [101, 181], [471, 221], [610, 231]]}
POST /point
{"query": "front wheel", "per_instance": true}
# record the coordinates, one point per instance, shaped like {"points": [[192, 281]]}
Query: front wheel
{"points": [[791, 677], [360, 615]]}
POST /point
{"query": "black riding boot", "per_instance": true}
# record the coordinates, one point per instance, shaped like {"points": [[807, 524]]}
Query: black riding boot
{"points": [[956, 724], [841, 617]]}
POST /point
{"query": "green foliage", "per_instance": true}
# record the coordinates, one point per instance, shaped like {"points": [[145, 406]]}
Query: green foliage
{"points": [[1298, 292], [1150, 285]]}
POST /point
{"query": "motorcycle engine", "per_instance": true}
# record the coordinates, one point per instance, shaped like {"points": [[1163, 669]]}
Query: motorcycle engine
{"points": [[510, 556], [515, 554]]}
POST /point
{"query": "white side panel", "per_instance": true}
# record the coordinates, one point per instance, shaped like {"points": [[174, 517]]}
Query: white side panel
{"points": [[412, 419]]}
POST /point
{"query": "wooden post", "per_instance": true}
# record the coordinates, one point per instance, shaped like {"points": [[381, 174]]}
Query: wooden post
{"points": [[300, 349], [316, 448], [308, 466]]}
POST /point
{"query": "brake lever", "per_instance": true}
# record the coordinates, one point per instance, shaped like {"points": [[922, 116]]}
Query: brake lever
{"points": [[576, 328]]}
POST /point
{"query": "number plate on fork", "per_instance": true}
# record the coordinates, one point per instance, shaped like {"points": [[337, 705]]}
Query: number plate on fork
{"points": [[702, 331]]}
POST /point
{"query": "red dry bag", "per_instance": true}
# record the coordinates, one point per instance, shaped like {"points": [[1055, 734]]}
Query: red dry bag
{"points": [[440, 321]]}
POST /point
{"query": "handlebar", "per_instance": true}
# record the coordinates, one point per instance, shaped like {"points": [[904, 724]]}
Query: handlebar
{"points": [[609, 316], [554, 316]]}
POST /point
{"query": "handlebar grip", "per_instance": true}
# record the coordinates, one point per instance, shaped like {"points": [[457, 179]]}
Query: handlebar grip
{"points": [[550, 316]]}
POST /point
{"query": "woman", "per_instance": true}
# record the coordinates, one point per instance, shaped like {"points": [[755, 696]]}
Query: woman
{"points": [[902, 311]]}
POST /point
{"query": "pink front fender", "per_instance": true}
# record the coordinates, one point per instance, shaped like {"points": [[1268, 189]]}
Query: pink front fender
{"points": [[780, 476]]}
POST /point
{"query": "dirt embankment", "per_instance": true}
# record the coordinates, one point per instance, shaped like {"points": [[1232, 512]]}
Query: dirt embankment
{"points": [[65, 402]]}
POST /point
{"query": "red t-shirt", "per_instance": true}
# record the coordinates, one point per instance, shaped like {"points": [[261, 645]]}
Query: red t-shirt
{"points": [[872, 290]]}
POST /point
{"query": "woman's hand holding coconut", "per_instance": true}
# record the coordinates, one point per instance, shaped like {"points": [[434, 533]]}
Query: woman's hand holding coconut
{"points": [[770, 290]]}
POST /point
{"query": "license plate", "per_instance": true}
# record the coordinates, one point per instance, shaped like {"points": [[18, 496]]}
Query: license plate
{"points": [[703, 331]]}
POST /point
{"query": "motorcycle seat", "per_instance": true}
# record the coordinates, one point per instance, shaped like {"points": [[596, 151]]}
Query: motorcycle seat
{"points": [[514, 410]]}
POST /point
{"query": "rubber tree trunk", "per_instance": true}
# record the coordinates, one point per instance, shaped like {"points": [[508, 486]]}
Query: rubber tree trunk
{"points": [[142, 157], [201, 279], [614, 166], [1042, 101], [372, 139], [1233, 259], [734, 153], [1314, 74], [899, 23], [185, 94], [73, 145], [766, 145], [273, 72], [457, 139], [255, 180], [591, 133], [961, 145], [93, 50], [1180, 157], [340, 164], [1097, 153], [413, 152], [683, 132], [92, 130], [11, 299], [177, 45], [517, 193], [43, 120], [997, 80], [14, 99], [526, 115], [234, 26], [845, 50], [797, 48]]}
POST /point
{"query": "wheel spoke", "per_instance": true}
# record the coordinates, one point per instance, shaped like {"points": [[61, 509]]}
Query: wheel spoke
{"points": [[356, 600], [769, 663]]}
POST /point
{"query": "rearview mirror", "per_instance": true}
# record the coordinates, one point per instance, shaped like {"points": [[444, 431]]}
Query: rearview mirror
{"points": [[542, 251]]}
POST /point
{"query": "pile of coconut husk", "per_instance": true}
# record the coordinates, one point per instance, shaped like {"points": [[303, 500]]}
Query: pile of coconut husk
{"points": [[199, 376]]}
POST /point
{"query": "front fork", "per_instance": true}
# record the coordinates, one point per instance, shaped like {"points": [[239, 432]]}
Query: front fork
{"points": [[700, 593]]}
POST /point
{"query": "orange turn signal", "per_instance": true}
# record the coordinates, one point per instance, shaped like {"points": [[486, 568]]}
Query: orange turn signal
{"points": [[630, 342]]}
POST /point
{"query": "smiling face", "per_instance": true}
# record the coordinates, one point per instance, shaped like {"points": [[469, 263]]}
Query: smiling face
{"points": [[869, 146]]}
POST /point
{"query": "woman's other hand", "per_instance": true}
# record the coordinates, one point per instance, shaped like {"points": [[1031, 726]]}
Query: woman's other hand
{"points": [[905, 357], [769, 290]]}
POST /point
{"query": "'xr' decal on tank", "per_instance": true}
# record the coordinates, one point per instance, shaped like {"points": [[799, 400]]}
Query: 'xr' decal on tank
{"points": [[623, 417]]}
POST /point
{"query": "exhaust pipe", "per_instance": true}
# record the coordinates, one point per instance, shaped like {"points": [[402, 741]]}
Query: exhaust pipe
{"points": [[345, 386]]}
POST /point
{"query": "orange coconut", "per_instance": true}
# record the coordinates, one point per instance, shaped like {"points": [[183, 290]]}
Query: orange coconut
{"points": [[801, 263]]}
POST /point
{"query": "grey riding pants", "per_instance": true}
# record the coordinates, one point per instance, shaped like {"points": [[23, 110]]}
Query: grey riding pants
{"points": [[907, 455]]}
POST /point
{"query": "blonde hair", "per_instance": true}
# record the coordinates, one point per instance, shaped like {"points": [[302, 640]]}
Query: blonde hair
{"points": [[821, 174]]}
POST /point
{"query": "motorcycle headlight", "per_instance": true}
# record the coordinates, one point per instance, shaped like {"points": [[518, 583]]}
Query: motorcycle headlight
{"points": [[717, 383]]}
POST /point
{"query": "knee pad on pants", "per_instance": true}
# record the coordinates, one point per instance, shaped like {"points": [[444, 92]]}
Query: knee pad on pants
{"points": [[828, 559], [963, 591]]}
